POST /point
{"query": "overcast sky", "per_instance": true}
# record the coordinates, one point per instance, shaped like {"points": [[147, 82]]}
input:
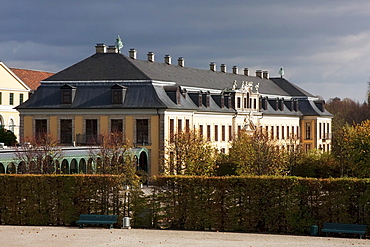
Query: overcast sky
{"points": [[324, 46]]}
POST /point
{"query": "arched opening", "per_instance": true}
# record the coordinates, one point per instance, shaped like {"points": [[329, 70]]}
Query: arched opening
{"points": [[2, 168], [11, 169], [143, 162], [64, 169], [57, 167], [33, 168], [22, 169], [90, 164], [82, 166], [74, 168], [49, 166]]}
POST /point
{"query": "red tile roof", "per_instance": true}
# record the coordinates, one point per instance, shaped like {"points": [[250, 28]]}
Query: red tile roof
{"points": [[31, 78]]}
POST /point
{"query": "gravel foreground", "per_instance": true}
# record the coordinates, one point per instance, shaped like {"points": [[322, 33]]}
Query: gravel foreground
{"points": [[89, 236]]}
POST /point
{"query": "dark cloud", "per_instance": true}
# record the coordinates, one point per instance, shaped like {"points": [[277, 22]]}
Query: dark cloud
{"points": [[321, 44]]}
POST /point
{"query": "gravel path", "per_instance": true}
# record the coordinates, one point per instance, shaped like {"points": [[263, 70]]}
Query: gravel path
{"points": [[89, 236]]}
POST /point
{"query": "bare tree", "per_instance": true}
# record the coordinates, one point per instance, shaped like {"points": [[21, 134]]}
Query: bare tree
{"points": [[38, 155]]}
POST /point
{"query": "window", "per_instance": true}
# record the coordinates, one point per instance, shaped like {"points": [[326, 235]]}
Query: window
{"points": [[116, 96], [91, 131], [272, 132], [308, 131], [116, 126], [11, 99], [41, 128], [223, 133], [66, 131], [21, 98], [179, 125], [11, 125], [187, 126], [293, 132], [245, 102], [66, 96], [1, 98], [230, 133], [172, 129], [287, 132], [142, 131], [201, 130], [277, 132], [238, 102], [208, 132], [282, 132], [254, 103], [320, 136], [216, 133]]}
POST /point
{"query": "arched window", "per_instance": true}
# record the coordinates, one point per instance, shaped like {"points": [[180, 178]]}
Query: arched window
{"points": [[11, 125]]}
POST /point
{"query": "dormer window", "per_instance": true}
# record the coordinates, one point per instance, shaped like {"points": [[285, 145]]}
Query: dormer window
{"points": [[67, 94], [118, 94]]}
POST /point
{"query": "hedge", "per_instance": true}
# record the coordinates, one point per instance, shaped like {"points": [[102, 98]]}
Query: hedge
{"points": [[60, 199], [247, 204], [260, 204]]}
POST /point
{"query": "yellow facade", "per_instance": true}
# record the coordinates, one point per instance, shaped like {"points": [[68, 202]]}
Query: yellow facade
{"points": [[12, 93]]}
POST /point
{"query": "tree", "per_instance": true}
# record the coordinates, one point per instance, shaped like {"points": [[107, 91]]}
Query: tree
{"points": [[38, 156], [188, 153], [256, 154], [354, 152], [113, 156], [7, 137]]}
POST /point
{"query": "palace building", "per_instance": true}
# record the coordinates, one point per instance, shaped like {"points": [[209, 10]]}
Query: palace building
{"points": [[148, 101]]}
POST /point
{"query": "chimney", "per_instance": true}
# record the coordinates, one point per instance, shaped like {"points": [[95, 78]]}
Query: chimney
{"points": [[246, 71], [132, 53], [100, 48], [150, 56], [259, 73], [223, 68], [112, 49], [235, 70], [212, 66], [181, 61], [167, 59], [265, 74]]}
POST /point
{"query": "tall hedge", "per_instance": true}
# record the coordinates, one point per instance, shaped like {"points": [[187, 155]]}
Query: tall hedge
{"points": [[58, 199], [261, 204]]}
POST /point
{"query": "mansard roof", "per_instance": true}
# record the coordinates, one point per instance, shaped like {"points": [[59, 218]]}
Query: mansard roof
{"points": [[147, 82]]}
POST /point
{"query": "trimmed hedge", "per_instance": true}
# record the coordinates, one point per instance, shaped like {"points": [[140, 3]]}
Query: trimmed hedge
{"points": [[260, 204], [58, 199], [248, 204]]}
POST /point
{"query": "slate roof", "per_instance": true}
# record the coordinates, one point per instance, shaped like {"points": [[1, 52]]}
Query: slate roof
{"points": [[32, 78], [94, 76]]}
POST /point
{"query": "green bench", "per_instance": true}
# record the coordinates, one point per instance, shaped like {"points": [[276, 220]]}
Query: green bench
{"points": [[344, 228], [96, 219]]}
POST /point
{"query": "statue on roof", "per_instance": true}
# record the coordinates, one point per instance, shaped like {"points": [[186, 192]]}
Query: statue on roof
{"points": [[281, 72], [257, 87], [119, 44], [234, 85]]}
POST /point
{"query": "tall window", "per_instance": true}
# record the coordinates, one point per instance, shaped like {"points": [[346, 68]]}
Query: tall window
{"points": [[187, 126], [201, 130], [230, 133], [238, 102], [172, 129], [11, 99], [223, 133], [282, 132], [21, 98], [320, 136], [142, 131], [66, 131], [272, 132], [277, 132], [179, 126], [1, 98], [208, 132], [216, 133], [308, 131], [91, 131], [117, 126], [41, 127]]}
